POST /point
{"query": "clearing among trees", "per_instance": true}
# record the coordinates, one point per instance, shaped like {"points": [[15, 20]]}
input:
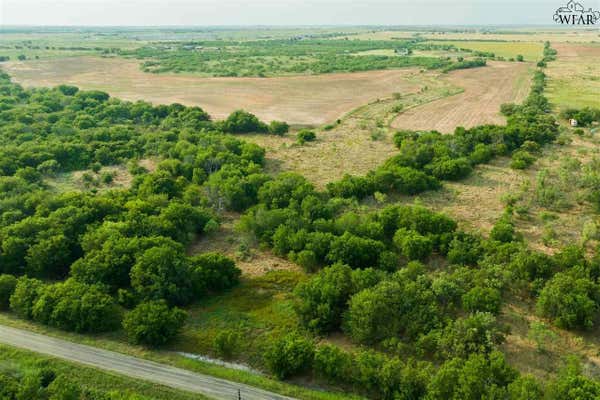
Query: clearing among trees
{"points": [[306, 100]]}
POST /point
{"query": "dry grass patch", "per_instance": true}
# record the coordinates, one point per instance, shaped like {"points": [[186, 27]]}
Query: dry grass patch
{"points": [[548, 229], [535, 347], [360, 143], [248, 257], [149, 164], [474, 202], [478, 201], [297, 99], [75, 181]]}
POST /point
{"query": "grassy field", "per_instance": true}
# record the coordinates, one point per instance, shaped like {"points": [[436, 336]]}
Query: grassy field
{"points": [[22, 362], [485, 89], [575, 76], [297, 100], [255, 311], [531, 51], [516, 35]]}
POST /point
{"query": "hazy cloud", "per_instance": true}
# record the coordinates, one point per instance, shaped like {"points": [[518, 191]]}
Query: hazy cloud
{"points": [[276, 12]]}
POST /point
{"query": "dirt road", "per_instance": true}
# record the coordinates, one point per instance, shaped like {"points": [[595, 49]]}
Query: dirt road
{"points": [[133, 367]]}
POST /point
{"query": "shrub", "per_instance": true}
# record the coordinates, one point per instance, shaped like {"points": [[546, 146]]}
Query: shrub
{"points": [[332, 364], [107, 178], [477, 333], [162, 272], [570, 300], [351, 186], [585, 116], [473, 378], [8, 284], [290, 355], [503, 231], [525, 387], [213, 272], [531, 266], [509, 109], [96, 167], [572, 384], [153, 323], [24, 296], [305, 135], [279, 192], [322, 299], [355, 251], [451, 169], [483, 299], [62, 388], [412, 245], [372, 314], [464, 249], [405, 180], [307, 259], [521, 159], [394, 307], [77, 307], [278, 128], [68, 90], [481, 154], [241, 121], [226, 342]]}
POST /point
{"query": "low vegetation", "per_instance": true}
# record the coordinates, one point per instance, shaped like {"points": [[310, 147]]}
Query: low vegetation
{"points": [[284, 57], [27, 376], [415, 299]]}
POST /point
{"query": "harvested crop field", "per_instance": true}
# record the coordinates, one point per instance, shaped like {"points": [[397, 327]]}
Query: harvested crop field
{"points": [[298, 100], [485, 89]]}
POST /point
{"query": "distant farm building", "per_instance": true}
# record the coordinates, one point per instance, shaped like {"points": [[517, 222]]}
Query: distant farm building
{"points": [[403, 51]]}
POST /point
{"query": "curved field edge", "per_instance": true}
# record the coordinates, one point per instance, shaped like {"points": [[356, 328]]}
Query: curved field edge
{"points": [[485, 90], [306, 100]]}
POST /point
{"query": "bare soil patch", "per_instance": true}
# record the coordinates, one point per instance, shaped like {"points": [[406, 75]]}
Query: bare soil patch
{"points": [[296, 99], [485, 89], [248, 257]]}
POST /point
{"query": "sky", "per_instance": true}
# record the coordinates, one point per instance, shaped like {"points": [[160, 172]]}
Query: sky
{"points": [[279, 12]]}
